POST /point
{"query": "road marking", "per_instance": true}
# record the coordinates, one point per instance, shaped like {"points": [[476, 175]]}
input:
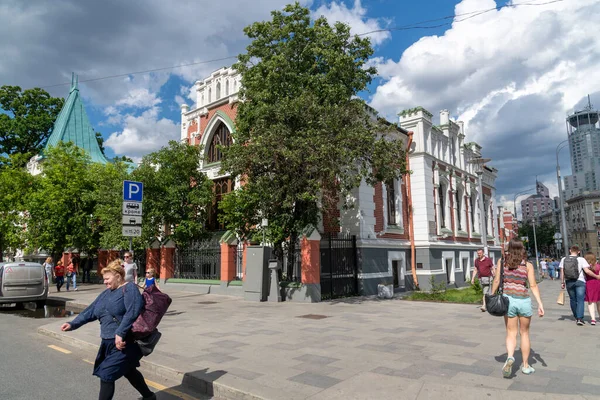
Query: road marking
{"points": [[172, 392], [59, 349], [88, 361]]}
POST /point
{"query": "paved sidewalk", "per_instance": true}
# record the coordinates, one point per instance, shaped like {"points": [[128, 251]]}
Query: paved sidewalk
{"points": [[360, 349]]}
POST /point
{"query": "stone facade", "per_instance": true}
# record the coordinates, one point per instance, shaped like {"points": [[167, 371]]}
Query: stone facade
{"points": [[583, 222]]}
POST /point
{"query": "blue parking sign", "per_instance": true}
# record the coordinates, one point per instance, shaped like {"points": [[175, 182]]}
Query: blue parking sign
{"points": [[133, 191]]}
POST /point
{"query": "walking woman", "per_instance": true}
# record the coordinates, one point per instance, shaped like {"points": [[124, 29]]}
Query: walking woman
{"points": [[59, 275], [116, 308], [49, 268], [517, 274], [592, 287]]}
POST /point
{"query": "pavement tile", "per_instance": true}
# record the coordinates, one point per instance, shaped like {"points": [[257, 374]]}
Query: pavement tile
{"points": [[228, 344], [312, 379], [316, 368], [481, 381], [591, 380], [215, 358], [311, 358]]}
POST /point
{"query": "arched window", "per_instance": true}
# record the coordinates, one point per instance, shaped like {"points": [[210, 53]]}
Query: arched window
{"points": [[202, 100], [458, 210], [227, 88], [472, 211], [221, 137], [234, 85], [442, 205], [209, 95], [391, 202], [218, 91]]}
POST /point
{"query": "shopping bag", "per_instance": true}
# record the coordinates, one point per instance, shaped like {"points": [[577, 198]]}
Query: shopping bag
{"points": [[561, 298]]}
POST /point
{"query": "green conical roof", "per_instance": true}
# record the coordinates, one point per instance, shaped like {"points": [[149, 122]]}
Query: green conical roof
{"points": [[73, 125]]}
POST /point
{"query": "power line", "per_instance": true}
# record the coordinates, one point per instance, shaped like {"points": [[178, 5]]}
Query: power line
{"points": [[143, 72], [469, 15], [413, 26]]}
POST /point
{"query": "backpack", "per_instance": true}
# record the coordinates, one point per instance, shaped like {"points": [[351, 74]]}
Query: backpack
{"points": [[571, 268]]}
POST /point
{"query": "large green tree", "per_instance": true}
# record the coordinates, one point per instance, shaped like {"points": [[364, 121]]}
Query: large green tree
{"points": [[61, 207], [176, 194], [544, 235], [15, 189], [26, 120], [303, 138]]}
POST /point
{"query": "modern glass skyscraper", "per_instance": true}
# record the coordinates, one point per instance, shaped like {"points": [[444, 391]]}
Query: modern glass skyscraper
{"points": [[584, 146]]}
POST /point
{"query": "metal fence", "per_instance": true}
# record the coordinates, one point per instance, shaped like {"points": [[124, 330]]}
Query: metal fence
{"points": [[239, 258], [339, 267], [199, 260], [292, 263]]}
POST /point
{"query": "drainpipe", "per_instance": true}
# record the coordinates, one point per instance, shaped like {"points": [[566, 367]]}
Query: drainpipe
{"points": [[411, 227]]}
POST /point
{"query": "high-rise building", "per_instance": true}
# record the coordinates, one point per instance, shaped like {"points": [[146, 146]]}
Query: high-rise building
{"points": [[584, 146], [536, 204]]}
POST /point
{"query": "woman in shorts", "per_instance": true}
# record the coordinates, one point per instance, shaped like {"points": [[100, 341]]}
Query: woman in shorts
{"points": [[518, 273]]}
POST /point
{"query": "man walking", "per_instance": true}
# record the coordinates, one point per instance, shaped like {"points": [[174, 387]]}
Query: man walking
{"points": [[572, 269], [484, 268]]}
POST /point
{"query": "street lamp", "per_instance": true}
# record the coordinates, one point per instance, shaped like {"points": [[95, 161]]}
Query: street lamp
{"points": [[563, 225], [515, 201], [479, 164]]}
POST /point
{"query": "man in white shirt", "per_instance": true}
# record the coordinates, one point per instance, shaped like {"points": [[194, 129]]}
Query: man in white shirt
{"points": [[572, 270]]}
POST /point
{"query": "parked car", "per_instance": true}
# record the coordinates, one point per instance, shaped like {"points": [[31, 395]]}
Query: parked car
{"points": [[23, 282]]}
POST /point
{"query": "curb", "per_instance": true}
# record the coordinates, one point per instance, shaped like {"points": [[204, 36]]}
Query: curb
{"points": [[190, 381]]}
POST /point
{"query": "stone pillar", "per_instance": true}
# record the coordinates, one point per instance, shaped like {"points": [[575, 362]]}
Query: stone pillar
{"points": [[113, 255], [244, 259], [310, 250], [228, 252], [102, 261], [153, 257], [66, 258], [167, 260]]}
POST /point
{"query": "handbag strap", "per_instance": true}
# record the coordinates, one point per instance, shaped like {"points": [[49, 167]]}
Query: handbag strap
{"points": [[501, 286]]}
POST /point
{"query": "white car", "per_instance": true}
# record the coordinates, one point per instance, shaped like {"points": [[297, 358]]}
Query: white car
{"points": [[23, 282]]}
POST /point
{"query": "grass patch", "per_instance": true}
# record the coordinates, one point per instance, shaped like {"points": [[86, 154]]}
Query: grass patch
{"points": [[469, 295]]}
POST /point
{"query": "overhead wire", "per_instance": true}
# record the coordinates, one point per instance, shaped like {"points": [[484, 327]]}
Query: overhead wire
{"points": [[413, 26]]}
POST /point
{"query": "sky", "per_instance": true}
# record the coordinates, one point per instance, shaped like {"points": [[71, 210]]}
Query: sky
{"points": [[512, 74]]}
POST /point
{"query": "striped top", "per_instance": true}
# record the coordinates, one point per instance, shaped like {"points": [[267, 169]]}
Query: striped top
{"points": [[515, 281]]}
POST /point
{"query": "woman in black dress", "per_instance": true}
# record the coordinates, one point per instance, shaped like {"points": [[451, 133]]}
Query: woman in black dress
{"points": [[116, 308]]}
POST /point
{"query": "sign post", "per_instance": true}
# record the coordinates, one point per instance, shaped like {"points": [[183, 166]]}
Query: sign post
{"points": [[133, 195]]}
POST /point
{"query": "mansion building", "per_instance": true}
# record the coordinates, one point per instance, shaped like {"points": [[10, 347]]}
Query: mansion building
{"points": [[438, 201]]}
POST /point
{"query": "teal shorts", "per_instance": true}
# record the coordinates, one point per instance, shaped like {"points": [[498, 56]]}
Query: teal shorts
{"points": [[519, 307]]}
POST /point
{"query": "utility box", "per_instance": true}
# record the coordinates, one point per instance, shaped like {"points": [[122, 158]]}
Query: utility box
{"points": [[256, 285]]}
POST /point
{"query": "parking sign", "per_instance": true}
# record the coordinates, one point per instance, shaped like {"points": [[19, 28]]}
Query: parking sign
{"points": [[133, 191]]}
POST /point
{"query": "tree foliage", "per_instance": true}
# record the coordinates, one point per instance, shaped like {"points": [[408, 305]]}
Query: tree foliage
{"points": [[544, 234], [303, 138], [26, 121], [60, 208], [176, 193], [15, 189]]}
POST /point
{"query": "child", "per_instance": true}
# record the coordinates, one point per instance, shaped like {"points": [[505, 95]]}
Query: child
{"points": [[150, 279]]}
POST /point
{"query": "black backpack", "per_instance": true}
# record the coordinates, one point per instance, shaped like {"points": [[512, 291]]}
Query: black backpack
{"points": [[571, 268]]}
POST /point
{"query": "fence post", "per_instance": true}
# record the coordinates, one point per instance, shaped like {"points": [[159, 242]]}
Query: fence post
{"points": [[310, 250], [102, 261], [167, 260], [153, 256], [228, 254]]}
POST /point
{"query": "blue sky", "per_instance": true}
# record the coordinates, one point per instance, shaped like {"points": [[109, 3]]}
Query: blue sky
{"points": [[511, 75]]}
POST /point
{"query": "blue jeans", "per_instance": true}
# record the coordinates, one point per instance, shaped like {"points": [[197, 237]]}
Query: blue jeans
{"points": [[73, 279], [576, 290]]}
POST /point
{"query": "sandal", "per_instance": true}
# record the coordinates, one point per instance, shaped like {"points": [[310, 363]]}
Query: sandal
{"points": [[593, 322], [507, 368], [528, 370]]}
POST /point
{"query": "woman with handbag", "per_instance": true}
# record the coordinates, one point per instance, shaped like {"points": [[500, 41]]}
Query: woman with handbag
{"points": [[517, 273], [116, 308], [592, 287]]}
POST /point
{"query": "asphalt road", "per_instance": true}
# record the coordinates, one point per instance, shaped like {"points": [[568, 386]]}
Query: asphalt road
{"points": [[33, 366]]}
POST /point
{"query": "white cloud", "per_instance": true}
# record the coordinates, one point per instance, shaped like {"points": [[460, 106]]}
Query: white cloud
{"points": [[510, 74], [143, 134], [139, 98], [356, 18]]}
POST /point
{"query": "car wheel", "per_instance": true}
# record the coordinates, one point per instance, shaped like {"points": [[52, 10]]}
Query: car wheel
{"points": [[20, 306]]}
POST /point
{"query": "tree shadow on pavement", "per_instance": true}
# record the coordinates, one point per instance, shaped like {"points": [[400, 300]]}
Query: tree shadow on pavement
{"points": [[534, 358], [566, 318]]}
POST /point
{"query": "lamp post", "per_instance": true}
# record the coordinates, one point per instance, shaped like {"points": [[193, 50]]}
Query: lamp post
{"points": [[515, 201], [479, 164], [537, 260], [563, 225]]}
